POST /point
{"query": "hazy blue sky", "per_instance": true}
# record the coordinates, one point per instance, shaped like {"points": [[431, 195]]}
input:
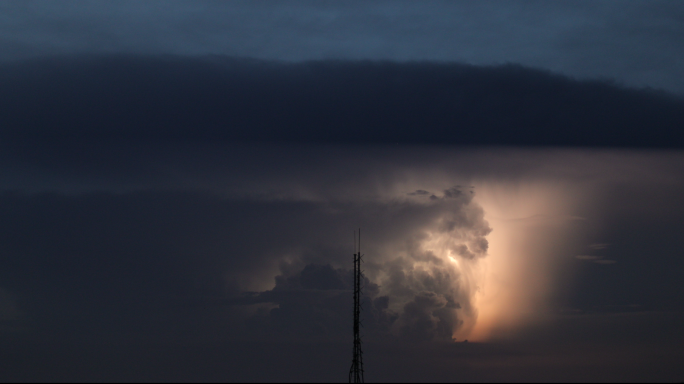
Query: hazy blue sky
{"points": [[636, 42]]}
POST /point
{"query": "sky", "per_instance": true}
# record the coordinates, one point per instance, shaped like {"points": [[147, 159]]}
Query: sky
{"points": [[635, 42], [180, 183]]}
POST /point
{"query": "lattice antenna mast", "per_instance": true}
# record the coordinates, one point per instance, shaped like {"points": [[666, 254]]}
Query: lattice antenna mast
{"points": [[356, 370]]}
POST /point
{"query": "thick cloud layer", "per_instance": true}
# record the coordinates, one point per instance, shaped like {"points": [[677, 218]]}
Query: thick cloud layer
{"points": [[132, 222], [638, 42], [216, 244], [125, 98]]}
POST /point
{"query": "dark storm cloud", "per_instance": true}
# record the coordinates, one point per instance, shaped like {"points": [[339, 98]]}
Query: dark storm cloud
{"points": [[638, 42], [313, 303], [165, 266], [414, 302], [132, 220], [122, 98], [142, 281], [103, 266]]}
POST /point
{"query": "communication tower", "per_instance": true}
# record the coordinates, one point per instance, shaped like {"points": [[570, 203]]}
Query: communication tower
{"points": [[356, 370]]}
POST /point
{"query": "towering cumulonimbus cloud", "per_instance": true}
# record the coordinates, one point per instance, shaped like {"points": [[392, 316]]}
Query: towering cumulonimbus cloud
{"points": [[428, 279], [419, 286]]}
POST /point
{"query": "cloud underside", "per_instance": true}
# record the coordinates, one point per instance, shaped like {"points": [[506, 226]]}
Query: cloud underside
{"points": [[132, 208], [226, 99]]}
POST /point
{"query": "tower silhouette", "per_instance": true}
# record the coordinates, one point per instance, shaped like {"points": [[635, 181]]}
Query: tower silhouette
{"points": [[356, 370]]}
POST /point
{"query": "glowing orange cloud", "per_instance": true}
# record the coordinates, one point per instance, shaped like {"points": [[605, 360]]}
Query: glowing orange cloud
{"points": [[530, 222]]}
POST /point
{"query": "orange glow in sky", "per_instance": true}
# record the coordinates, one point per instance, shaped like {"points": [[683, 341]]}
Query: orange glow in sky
{"points": [[530, 222], [532, 225]]}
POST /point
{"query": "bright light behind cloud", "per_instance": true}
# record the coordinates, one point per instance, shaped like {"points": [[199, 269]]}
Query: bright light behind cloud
{"points": [[449, 263], [530, 221], [499, 287]]}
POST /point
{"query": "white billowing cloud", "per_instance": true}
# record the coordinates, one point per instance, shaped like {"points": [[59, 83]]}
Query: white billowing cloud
{"points": [[427, 276]]}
